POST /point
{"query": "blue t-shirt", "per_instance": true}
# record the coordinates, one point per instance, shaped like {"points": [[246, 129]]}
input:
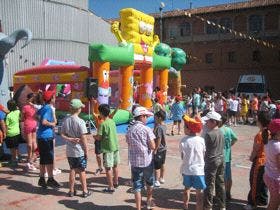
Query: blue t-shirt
{"points": [[177, 111], [2, 115], [43, 131]]}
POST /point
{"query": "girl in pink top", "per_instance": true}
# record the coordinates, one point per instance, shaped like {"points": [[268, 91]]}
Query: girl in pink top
{"points": [[272, 165], [29, 127]]}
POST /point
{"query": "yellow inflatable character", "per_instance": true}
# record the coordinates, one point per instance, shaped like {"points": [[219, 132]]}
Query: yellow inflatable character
{"points": [[137, 28]]}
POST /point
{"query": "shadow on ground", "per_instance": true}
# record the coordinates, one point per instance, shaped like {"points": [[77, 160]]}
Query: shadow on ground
{"points": [[75, 204]]}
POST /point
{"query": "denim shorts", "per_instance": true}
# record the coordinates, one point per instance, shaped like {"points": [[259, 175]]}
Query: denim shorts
{"points": [[77, 163], [141, 175], [197, 182], [227, 171]]}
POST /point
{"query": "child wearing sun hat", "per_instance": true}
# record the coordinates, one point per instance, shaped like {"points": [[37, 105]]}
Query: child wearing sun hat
{"points": [[192, 148]]}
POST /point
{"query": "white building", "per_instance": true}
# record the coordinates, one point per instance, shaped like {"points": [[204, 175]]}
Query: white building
{"points": [[62, 29]]}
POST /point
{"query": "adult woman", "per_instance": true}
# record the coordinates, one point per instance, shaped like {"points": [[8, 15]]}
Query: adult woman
{"points": [[29, 127]]}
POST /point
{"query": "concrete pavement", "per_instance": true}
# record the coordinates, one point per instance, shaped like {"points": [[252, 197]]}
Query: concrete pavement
{"points": [[19, 190]]}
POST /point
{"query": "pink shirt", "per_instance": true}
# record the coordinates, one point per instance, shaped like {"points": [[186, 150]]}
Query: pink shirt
{"points": [[29, 116], [272, 150]]}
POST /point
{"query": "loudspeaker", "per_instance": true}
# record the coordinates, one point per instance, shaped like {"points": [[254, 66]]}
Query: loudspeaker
{"points": [[91, 90]]}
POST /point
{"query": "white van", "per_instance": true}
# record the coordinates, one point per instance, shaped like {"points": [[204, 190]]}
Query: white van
{"points": [[250, 84]]}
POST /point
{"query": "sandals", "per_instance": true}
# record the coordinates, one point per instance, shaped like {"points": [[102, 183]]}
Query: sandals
{"points": [[116, 185], [108, 190], [98, 171], [71, 194], [86, 194]]}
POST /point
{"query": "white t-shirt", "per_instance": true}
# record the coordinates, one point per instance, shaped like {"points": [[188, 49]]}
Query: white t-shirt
{"points": [[233, 105], [272, 150], [192, 149]]}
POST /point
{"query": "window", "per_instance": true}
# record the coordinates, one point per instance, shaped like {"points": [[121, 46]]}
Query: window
{"points": [[209, 58], [232, 57], [185, 29], [211, 29], [227, 23], [255, 23], [172, 33], [256, 55]]}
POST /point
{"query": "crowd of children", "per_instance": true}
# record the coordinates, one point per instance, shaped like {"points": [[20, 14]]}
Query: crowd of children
{"points": [[205, 147]]}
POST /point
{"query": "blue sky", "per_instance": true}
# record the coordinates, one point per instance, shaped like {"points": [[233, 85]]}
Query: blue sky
{"points": [[110, 8]]}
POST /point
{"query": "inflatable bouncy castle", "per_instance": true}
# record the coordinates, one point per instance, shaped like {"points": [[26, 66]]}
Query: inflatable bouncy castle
{"points": [[139, 49]]}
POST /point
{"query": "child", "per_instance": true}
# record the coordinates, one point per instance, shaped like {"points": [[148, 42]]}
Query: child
{"points": [[272, 165], [29, 120], [73, 131], [157, 106], [13, 131], [214, 161], [98, 120], [192, 148], [107, 135], [160, 150], [45, 140], [230, 139], [177, 111], [258, 191]]}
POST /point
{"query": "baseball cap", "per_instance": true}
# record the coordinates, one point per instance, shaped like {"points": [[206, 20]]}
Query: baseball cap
{"points": [[213, 116], [274, 126], [178, 98], [47, 95], [193, 124], [138, 111], [76, 103]]}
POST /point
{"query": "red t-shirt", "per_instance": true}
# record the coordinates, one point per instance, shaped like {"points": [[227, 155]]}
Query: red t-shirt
{"points": [[159, 97]]}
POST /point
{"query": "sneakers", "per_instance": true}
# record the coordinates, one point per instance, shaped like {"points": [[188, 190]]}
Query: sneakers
{"points": [[30, 167], [53, 183], [13, 163], [42, 182], [56, 171], [249, 207], [157, 184], [161, 180], [150, 205]]}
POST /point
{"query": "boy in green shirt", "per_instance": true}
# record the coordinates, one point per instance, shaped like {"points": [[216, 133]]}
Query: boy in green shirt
{"points": [[13, 130], [107, 135], [230, 139]]}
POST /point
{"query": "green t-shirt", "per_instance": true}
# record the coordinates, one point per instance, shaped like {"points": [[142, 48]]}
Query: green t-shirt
{"points": [[229, 137], [109, 139], [12, 122]]}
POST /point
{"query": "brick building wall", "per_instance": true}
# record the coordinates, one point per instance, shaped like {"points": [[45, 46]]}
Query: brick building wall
{"points": [[218, 59]]}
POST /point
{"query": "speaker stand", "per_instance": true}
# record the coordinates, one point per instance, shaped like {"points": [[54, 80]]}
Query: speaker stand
{"points": [[89, 122]]}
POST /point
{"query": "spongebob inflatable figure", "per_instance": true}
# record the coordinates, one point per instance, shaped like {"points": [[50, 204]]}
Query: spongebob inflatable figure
{"points": [[137, 28]]}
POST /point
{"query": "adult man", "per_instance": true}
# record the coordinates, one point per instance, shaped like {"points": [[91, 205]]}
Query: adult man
{"points": [[45, 138], [140, 140]]}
